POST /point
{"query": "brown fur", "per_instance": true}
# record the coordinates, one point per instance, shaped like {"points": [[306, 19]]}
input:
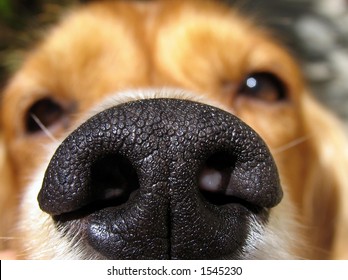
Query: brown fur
{"points": [[196, 46]]}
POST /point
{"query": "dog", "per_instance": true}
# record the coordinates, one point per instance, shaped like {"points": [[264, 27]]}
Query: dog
{"points": [[168, 130]]}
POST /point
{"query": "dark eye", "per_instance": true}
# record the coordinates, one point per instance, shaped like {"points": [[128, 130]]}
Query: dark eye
{"points": [[263, 86], [43, 113]]}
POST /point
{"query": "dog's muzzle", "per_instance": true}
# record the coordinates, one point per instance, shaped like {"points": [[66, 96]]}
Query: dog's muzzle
{"points": [[161, 179]]}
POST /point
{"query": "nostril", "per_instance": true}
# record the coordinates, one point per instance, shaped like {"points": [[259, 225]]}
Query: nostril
{"points": [[216, 172], [215, 181], [215, 177], [114, 179]]}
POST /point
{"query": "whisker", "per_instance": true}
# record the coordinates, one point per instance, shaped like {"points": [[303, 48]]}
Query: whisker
{"points": [[290, 145], [7, 238], [43, 128]]}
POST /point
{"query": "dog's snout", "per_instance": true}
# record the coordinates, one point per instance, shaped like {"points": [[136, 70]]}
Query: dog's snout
{"points": [[159, 179]]}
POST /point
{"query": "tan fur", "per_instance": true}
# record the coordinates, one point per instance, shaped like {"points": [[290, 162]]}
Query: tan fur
{"points": [[205, 50]]}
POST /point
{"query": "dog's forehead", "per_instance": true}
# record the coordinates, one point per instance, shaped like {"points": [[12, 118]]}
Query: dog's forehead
{"points": [[150, 42], [130, 27]]}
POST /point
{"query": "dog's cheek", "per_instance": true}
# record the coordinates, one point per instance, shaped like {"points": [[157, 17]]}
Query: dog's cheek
{"points": [[36, 232], [281, 238], [8, 196]]}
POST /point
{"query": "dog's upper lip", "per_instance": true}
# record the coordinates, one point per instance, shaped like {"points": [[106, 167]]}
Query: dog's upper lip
{"points": [[112, 225]]}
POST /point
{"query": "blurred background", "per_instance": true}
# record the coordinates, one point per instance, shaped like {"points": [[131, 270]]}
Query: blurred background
{"points": [[316, 31]]}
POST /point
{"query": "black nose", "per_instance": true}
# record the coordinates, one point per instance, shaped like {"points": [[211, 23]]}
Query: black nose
{"points": [[161, 179]]}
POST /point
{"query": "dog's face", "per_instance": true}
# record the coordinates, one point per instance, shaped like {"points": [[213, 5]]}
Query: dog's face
{"points": [[154, 163]]}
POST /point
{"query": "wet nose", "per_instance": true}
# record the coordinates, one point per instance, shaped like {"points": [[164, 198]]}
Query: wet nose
{"points": [[161, 179]]}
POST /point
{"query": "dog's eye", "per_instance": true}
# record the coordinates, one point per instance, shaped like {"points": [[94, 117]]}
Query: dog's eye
{"points": [[43, 114], [263, 86]]}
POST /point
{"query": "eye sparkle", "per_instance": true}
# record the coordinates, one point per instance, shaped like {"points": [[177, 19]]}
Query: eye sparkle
{"points": [[251, 82], [263, 86]]}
